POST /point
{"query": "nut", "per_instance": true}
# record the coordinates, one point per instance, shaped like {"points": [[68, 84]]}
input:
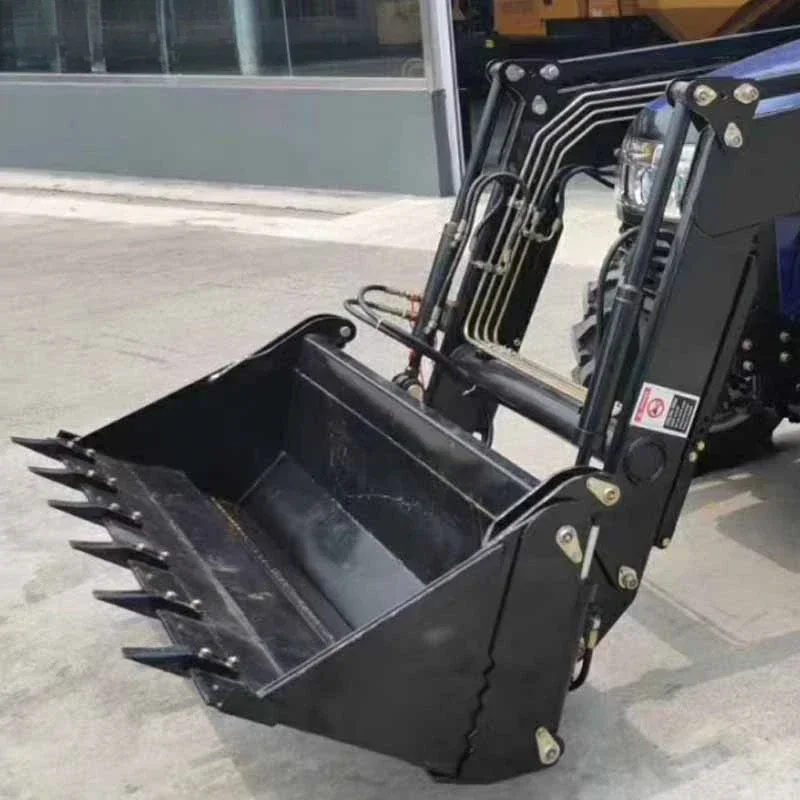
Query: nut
{"points": [[628, 579], [550, 72], [746, 93], [733, 136], [539, 105], [514, 72], [704, 95], [566, 535]]}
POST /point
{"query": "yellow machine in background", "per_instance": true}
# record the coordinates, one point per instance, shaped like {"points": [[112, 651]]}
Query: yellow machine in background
{"points": [[680, 20]]}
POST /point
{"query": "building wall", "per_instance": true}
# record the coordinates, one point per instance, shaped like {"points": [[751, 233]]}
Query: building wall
{"points": [[370, 135]]}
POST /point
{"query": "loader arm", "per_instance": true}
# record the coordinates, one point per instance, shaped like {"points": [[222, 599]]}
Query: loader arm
{"points": [[337, 552]]}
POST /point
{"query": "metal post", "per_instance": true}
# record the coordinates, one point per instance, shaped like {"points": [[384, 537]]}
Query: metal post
{"points": [[247, 33], [162, 21], [50, 11], [438, 50], [94, 34]]}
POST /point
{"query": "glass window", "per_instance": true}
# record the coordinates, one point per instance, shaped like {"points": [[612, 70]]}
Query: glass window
{"points": [[354, 37], [251, 37]]}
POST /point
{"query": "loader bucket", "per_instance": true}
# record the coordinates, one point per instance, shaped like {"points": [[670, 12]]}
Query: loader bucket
{"points": [[325, 553]]}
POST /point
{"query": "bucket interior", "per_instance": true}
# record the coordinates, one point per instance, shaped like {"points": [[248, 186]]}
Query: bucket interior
{"points": [[325, 491]]}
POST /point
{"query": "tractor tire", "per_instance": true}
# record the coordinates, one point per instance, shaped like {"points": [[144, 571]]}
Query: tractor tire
{"points": [[735, 437]]}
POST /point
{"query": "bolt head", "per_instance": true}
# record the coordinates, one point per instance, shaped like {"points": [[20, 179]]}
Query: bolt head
{"points": [[785, 357], [551, 755], [164, 554], [704, 95], [112, 481], [746, 93], [539, 106], [666, 542], [514, 72], [785, 337], [733, 136], [747, 345], [748, 366], [114, 507], [195, 604], [91, 452], [345, 332], [136, 516], [550, 72], [628, 579], [205, 652], [231, 661], [693, 457], [700, 447], [566, 535], [170, 595], [611, 495]]}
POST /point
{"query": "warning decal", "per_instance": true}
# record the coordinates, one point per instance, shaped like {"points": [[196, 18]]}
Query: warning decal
{"points": [[665, 410]]}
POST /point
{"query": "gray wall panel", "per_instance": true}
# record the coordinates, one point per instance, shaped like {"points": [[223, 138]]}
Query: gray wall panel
{"points": [[374, 138]]}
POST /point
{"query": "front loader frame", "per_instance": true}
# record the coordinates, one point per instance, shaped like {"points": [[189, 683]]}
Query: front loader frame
{"points": [[327, 552]]}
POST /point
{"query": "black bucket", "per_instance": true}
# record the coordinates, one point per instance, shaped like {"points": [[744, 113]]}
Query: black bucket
{"points": [[326, 553]]}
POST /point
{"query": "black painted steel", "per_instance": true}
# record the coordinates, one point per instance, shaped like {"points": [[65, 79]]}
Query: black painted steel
{"points": [[328, 553]]}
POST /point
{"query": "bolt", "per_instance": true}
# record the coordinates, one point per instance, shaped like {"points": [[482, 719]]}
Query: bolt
{"points": [[91, 473], [345, 332], [219, 705], [628, 579], [195, 604], [785, 357], [704, 95], [550, 756], [785, 337], [748, 366], [514, 72], [164, 554], [747, 345], [232, 661], [114, 507], [214, 687], [566, 535], [139, 548], [136, 516], [112, 481], [693, 457], [746, 93], [205, 652], [733, 136], [91, 453], [539, 105], [170, 595], [700, 446], [666, 542], [550, 72], [611, 495]]}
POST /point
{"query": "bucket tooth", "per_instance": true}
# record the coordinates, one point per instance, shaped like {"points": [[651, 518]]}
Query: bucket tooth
{"points": [[180, 660], [97, 512], [76, 478], [122, 554], [56, 448], [177, 660], [146, 603]]}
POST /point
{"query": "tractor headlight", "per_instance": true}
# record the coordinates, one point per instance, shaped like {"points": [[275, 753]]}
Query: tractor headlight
{"points": [[639, 159]]}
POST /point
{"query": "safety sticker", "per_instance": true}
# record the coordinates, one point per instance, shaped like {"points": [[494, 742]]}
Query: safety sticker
{"points": [[665, 410]]}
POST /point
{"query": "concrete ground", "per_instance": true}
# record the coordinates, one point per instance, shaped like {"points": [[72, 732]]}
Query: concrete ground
{"points": [[111, 297]]}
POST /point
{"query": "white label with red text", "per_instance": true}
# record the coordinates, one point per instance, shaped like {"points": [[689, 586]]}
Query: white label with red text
{"points": [[665, 410]]}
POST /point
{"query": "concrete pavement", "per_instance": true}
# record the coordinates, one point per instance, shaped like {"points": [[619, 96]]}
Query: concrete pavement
{"points": [[109, 300]]}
